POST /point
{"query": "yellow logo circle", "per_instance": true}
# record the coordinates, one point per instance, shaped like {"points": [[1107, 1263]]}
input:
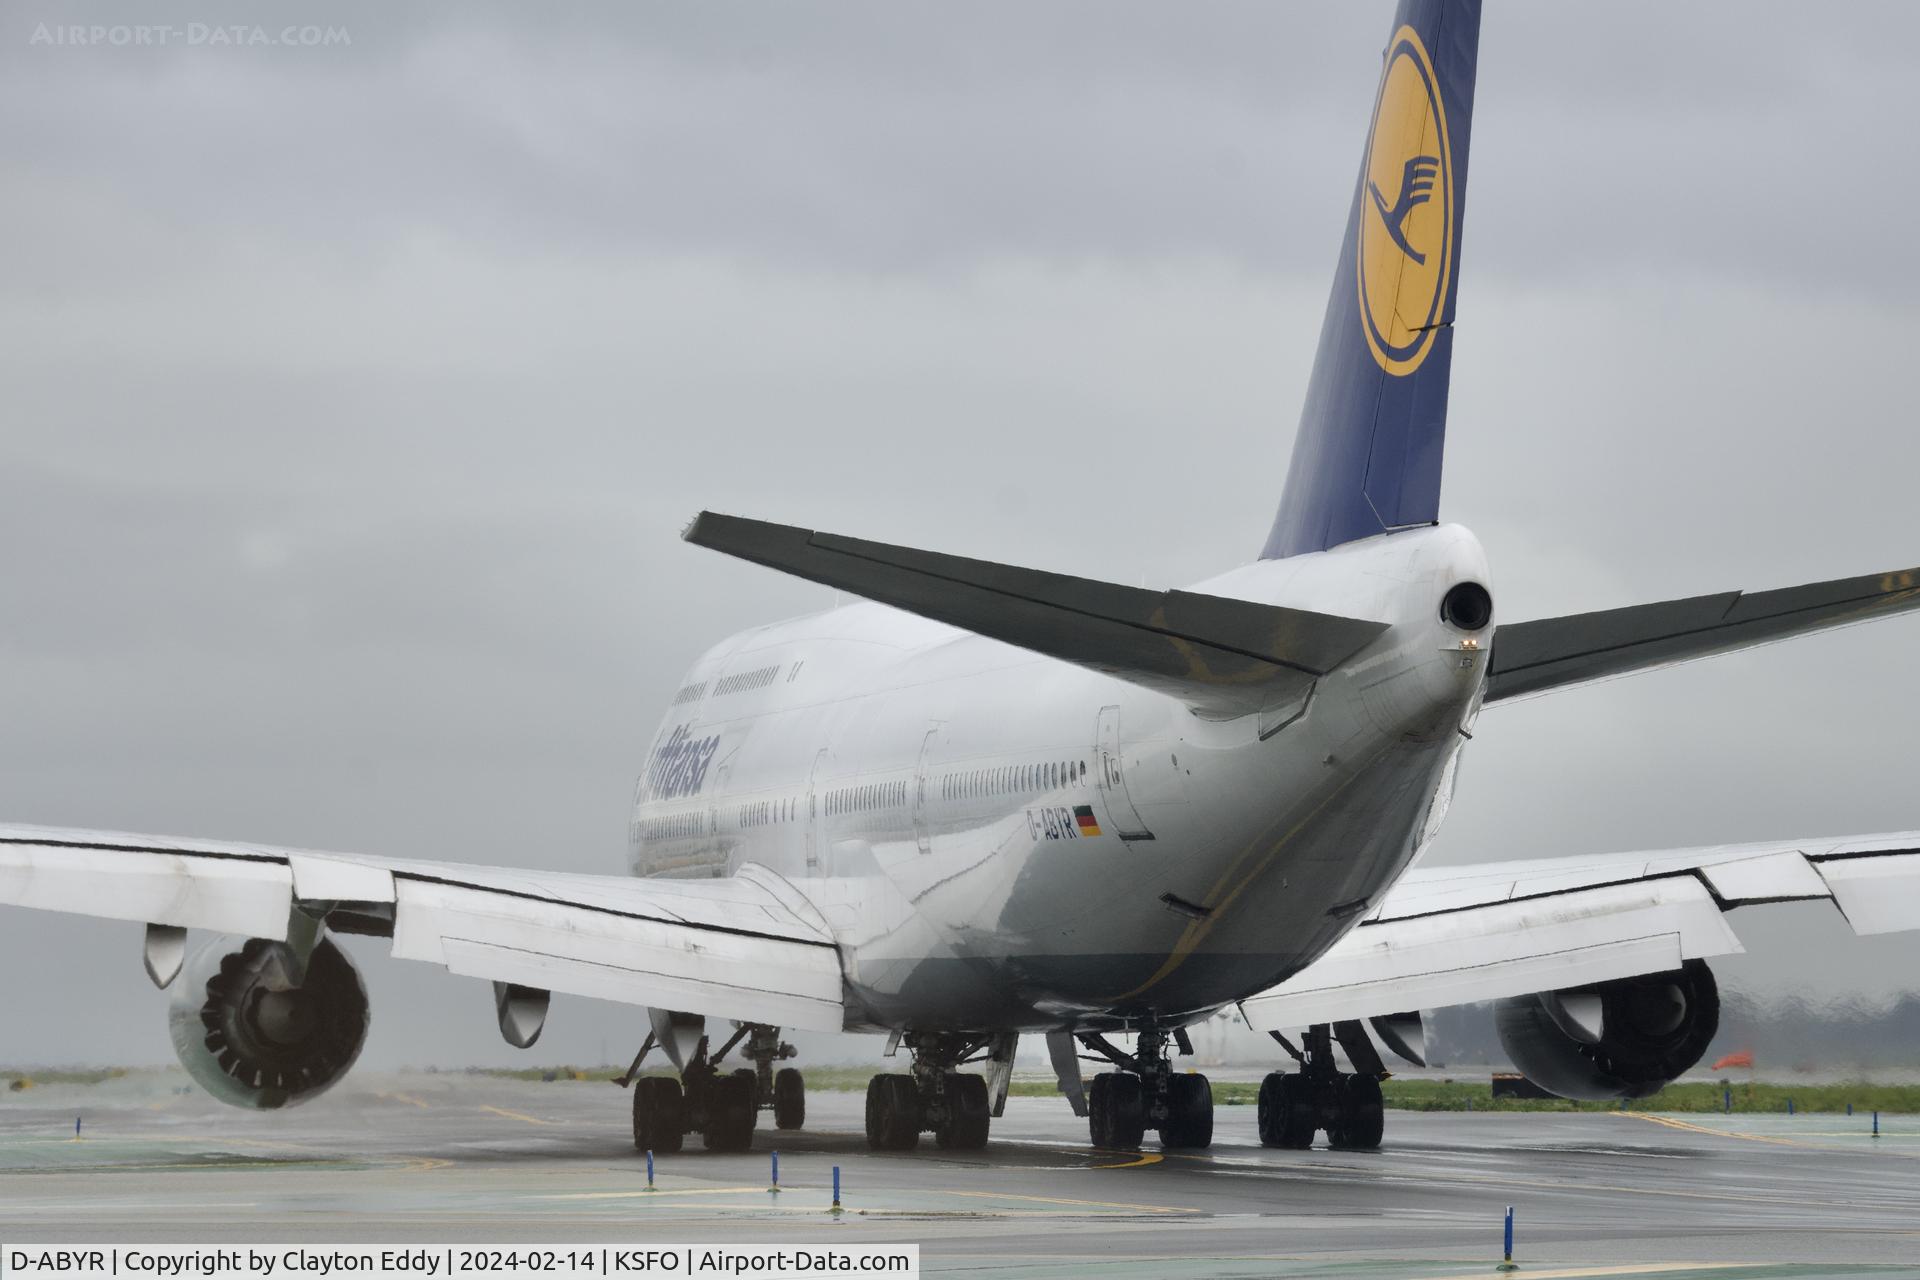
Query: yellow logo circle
{"points": [[1405, 246]]}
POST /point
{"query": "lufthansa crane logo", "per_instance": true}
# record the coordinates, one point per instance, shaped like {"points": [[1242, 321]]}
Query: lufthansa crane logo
{"points": [[1405, 243]]}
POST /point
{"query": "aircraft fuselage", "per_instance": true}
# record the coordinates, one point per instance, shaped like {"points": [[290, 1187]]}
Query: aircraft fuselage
{"points": [[1001, 840]]}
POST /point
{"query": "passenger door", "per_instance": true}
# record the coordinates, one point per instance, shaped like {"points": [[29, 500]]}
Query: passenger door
{"points": [[1111, 779], [922, 828], [814, 817]]}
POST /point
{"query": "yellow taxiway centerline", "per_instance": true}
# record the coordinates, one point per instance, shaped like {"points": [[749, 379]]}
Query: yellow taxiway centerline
{"points": [[407, 1098], [1687, 1126], [517, 1115]]}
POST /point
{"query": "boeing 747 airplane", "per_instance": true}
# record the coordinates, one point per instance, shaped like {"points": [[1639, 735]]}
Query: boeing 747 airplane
{"points": [[991, 801]]}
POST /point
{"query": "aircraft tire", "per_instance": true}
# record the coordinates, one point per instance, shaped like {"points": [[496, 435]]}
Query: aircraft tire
{"points": [[1116, 1111], [968, 1115], [1189, 1113], [658, 1110], [1286, 1112], [731, 1113], [789, 1099], [1362, 1116], [893, 1113]]}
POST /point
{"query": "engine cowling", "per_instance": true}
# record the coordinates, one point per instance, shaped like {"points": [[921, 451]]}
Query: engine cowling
{"points": [[255, 1032], [1623, 1039]]}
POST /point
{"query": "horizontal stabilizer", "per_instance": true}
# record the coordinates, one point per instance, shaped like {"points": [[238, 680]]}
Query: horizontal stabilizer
{"points": [[1530, 657], [1220, 656]]}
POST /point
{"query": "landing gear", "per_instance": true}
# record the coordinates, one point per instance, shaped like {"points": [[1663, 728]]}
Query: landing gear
{"points": [[1363, 1116], [1189, 1121], [1116, 1111], [956, 1106], [1145, 1093], [964, 1126], [789, 1099], [1287, 1114], [730, 1112], [784, 1092], [894, 1115], [1322, 1097], [659, 1115], [721, 1106]]}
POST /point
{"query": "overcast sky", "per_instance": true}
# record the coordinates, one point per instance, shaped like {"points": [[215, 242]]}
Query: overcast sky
{"points": [[355, 395]]}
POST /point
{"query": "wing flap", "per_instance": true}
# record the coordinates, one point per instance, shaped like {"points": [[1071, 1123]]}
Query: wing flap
{"points": [[1877, 894], [1229, 657], [317, 878], [1455, 935], [1783, 875], [1502, 949], [628, 959]]}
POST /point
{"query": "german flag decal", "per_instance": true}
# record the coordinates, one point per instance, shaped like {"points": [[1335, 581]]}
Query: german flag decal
{"points": [[1083, 818]]}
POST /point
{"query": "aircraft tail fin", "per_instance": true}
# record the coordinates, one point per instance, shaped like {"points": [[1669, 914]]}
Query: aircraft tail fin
{"points": [[1223, 657], [1367, 456]]}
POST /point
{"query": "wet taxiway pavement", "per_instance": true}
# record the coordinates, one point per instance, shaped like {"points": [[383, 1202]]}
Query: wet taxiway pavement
{"points": [[458, 1158]]}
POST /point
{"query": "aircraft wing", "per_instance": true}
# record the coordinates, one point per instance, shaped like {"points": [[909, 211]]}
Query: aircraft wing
{"points": [[1455, 935], [747, 947]]}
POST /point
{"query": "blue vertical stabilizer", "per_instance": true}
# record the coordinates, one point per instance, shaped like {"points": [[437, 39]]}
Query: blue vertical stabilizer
{"points": [[1367, 457]]}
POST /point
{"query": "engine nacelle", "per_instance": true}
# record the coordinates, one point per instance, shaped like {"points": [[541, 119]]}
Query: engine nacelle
{"points": [[1622, 1039], [254, 1031]]}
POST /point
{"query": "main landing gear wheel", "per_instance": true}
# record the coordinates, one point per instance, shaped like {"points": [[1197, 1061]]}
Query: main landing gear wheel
{"points": [[732, 1108], [1189, 1122], [1146, 1094], [955, 1106], [1320, 1096], [720, 1105], [893, 1113], [789, 1099], [1362, 1117], [658, 1111], [968, 1113], [1286, 1112], [1116, 1111]]}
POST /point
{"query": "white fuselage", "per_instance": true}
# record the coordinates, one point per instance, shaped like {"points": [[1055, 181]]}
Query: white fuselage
{"points": [[999, 840]]}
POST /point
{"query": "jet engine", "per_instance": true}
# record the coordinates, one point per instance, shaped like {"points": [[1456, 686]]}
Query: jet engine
{"points": [[1622, 1039], [256, 1028]]}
